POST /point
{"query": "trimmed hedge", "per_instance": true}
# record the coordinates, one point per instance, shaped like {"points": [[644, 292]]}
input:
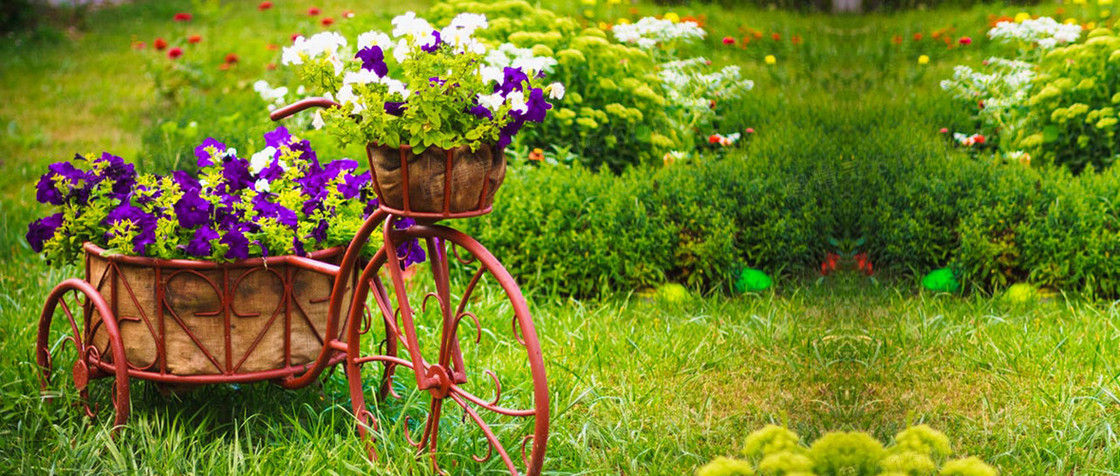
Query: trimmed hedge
{"points": [[579, 232], [574, 231]]}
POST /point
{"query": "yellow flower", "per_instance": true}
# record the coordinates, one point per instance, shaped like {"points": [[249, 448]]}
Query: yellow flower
{"points": [[613, 2], [1104, 2], [588, 13], [1091, 25], [590, 2], [923, 59], [1022, 17], [673, 17], [770, 59], [623, 21], [1106, 13], [1078, 2], [1071, 21], [603, 25]]}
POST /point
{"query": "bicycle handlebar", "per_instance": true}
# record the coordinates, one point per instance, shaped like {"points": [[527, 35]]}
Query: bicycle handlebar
{"points": [[301, 105]]}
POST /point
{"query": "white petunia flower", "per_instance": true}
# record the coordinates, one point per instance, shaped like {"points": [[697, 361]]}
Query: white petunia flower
{"points": [[491, 74], [360, 77], [535, 64], [346, 96], [317, 120], [493, 102], [261, 185], [374, 38], [517, 102], [261, 159], [556, 91], [396, 87], [400, 52], [411, 25]]}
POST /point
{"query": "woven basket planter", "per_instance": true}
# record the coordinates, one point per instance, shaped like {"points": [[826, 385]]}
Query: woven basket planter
{"points": [[436, 183], [186, 317]]}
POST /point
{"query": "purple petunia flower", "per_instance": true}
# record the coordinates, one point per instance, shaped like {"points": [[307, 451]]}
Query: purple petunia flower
{"points": [[236, 173], [238, 244], [145, 222], [410, 253], [512, 79], [205, 158], [277, 138], [200, 244], [505, 135], [42, 230], [122, 174], [335, 167], [47, 192], [395, 108], [537, 106], [192, 210], [319, 234], [371, 206], [373, 59], [352, 185], [281, 213], [481, 111], [432, 48], [185, 181]]}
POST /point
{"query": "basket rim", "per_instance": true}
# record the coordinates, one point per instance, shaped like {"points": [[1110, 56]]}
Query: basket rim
{"points": [[91, 249]]}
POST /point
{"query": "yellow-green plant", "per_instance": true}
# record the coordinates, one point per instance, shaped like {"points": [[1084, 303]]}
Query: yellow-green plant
{"points": [[777, 451]]}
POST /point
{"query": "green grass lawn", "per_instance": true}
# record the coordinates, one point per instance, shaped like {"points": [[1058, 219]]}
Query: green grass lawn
{"points": [[638, 385]]}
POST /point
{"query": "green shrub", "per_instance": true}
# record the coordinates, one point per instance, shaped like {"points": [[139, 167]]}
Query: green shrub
{"points": [[579, 232], [918, 450], [1073, 117]]}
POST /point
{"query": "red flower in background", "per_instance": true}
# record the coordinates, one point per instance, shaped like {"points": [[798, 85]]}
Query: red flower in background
{"points": [[159, 44], [829, 263], [264, 6], [776, 37], [294, 36], [917, 37], [327, 21], [313, 11], [184, 17], [194, 39], [896, 39], [713, 139], [348, 14], [174, 52], [979, 139], [727, 40], [796, 39], [864, 264], [139, 45], [965, 40], [232, 58]]}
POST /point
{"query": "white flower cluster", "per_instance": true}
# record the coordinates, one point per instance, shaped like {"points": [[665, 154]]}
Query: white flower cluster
{"points": [[648, 32], [508, 55], [326, 44], [273, 96], [999, 94], [688, 86], [1045, 32]]}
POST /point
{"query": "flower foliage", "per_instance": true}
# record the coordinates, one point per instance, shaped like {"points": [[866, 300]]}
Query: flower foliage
{"points": [[423, 86], [916, 451], [280, 200], [614, 111]]}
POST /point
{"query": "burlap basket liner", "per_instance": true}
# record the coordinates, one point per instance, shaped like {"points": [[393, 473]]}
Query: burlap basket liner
{"points": [[475, 177], [174, 320]]}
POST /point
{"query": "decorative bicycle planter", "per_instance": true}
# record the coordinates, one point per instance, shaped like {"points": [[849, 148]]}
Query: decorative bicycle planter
{"points": [[288, 318]]}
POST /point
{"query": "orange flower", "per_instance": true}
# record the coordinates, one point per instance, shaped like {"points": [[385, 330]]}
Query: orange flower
{"points": [[232, 58], [896, 39], [160, 44], [537, 154], [796, 39], [776, 36], [917, 37], [194, 39]]}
